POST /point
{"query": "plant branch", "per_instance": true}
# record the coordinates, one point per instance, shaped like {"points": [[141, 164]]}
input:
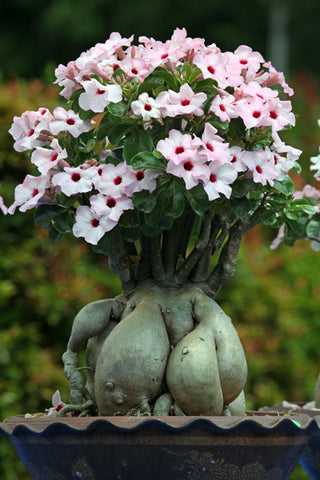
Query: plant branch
{"points": [[198, 250], [120, 262]]}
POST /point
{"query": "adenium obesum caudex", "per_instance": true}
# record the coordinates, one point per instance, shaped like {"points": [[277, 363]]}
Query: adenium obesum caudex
{"points": [[164, 141]]}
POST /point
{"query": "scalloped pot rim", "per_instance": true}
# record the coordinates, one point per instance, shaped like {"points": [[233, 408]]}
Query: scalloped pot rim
{"points": [[252, 422]]}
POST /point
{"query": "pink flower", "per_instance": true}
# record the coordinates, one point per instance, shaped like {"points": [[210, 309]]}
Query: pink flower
{"points": [[73, 180], [135, 68], [219, 178], [261, 166], [68, 121], [212, 66], [97, 96], [3, 207], [26, 130], [90, 225], [224, 107], [184, 102], [253, 113], [280, 114], [192, 171], [28, 194], [112, 179], [110, 207], [57, 404], [236, 158], [146, 107], [178, 146], [145, 179], [214, 146], [47, 158]]}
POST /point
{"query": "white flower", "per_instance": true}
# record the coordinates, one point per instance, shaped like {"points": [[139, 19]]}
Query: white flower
{"points": [[97, 96], [146, 107]]}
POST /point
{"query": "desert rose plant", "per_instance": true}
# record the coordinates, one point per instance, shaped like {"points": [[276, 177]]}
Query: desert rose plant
{"points": [[168, 153]]}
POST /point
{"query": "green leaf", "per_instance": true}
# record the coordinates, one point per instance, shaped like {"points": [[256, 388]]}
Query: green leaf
{"points": [[144, 201], [148, 86], [241, 206], [63, 222], [174, 201], [113, 127], [147, 160], [117, 109], [45, 212], [270, 218], [198, 200], [297, 169], [313, 228], [285, 186], [54, 234], [129, 219], [166, 76], [138, 141]]}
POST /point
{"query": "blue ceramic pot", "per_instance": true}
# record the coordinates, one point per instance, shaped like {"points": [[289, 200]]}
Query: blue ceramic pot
{"points": [[160, 448]]}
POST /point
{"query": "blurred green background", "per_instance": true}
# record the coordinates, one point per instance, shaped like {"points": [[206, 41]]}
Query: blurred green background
{"points": [[274, 297]]}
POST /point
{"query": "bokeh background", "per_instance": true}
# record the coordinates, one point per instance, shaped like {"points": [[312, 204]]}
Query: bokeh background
{"points": [[273, 299]]}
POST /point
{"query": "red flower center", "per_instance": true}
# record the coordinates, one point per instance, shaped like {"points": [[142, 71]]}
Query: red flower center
{"points": [[222, 108], [75, 177], [188, 166], [35, 192], [117, 180], [147, 107], [95, 222], [213, 177], [134, 71], [165, 55], [211, 69], [70, 121], [273, 114], [256, 114], [54, 157], [259, 169], [111, 202], [100, 171], [179, 150], [234, 159], [140, 175], [31, 132], [243, 61], [100, 91], [115, 67], [185, 102], [209, 147]]}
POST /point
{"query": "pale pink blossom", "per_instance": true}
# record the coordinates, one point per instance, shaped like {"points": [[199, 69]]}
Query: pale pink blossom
{"points": [[135, 68], [184, 102], [27, 129], [261, 166], [178, 146], [274, 78], [109, 206], [97, 96], [145, 179], [90, 225], [3, 207], [214, 147], [49, 158], [146, 107], [73, 180], [68, 121], [112, 179], [279, 114], [236, 158], [254, 113], [29, 193], [224, 107], [190, 170], [212, 66], [57, 404], [220, 176]]}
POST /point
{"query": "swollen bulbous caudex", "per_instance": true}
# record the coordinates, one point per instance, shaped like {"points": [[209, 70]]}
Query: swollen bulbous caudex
{"points": [[207, 369], [131, 365]]}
